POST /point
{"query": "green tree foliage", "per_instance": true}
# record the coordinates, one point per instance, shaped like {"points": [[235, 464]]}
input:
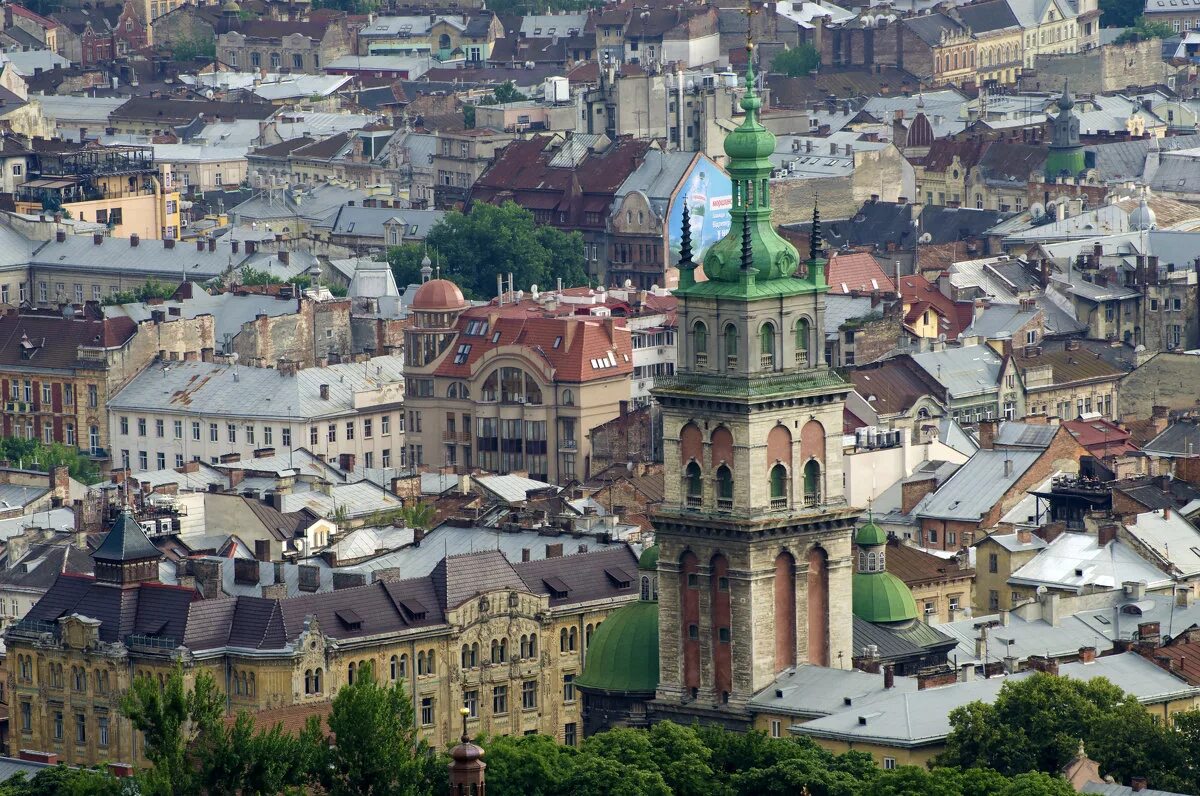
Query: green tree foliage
{"points": [[471, 248], [524, 7], [378, 749], [797, 61], [63, 781], [255, 276], [1038, 723], [417, 514], [191, 48], [35, 455], [152, 289], [507, 92], [1143, 29]]}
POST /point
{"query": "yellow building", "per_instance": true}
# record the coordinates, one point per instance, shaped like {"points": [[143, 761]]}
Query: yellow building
{"points": [[996, 558], [117, 186], [503, 640]]}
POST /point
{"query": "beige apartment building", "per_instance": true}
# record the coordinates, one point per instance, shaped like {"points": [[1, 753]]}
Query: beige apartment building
{"points": [[509, 387], [175, 412]]}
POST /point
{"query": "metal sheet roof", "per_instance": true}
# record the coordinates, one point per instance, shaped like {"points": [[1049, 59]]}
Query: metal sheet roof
{"points": [[979, 484], [966, 371]]}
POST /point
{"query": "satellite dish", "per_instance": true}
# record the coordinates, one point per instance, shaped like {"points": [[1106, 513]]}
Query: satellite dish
{"points": [[1041, 590], [1037, 210], [926, 238]]}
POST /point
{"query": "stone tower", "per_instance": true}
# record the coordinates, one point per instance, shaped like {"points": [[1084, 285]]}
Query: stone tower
{"points": [[1066, 156], [754, 533]]}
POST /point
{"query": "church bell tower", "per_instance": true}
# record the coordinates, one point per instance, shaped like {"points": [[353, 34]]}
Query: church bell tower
{"points": [[754, 532]]}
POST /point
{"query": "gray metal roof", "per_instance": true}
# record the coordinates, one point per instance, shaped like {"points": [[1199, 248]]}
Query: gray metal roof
{"points": [[1177, 439], [978, 485], [839, 309], [1075, 562], [1021, 638], [149, 258], [359, 499], [819, 691], [658, 177], [446, 540], [229, 310], [369, 221], [1112, 788], [999, 319], [511, 488], [1126, 160], [964, 371], [215, 389], [1025, 435], [1012, 544]]}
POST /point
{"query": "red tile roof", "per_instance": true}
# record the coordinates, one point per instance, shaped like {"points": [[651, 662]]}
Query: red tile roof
{"points": [[577, 348], [1101, 437], [858, 272], [916, 289]]}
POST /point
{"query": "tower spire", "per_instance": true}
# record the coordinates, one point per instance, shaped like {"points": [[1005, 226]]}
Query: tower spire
{"points": [[747, 247], [814, 236], [687, 268]]}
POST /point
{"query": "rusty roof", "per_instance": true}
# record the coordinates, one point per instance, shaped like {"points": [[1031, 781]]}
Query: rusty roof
{"points": [[916, 567]]}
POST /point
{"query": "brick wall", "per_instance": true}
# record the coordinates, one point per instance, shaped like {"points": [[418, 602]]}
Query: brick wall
{"points": [[1108, 68]]}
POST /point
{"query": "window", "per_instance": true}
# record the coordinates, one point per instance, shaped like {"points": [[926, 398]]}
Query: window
{"points": [[331, 433], [178, 427], [350, 430], [26, 717], [285, 437], [776, 726], [500, 700], [724, 488], [231, 431], [993, 563], [58, 725], [159, 428], [143, 461], [568, 688], [889, 763], [767, 346], [933, 535], [297, 61], [366, 428], [212, 432], [93, 396], [993, 600], [529, 695], [569, 734], [731, 346], [80, 728], [102, 730], [426, 711], [268, 435], [160, 460], [385, 425], [700, 344], [471, 703], [125, 425], [141, 426]]}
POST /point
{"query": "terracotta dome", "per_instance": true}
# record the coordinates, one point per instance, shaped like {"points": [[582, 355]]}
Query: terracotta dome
{"points": [[438, 295]]}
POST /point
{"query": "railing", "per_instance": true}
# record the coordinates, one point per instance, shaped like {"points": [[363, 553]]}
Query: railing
{"points": [[694, 501], [778, 503], [151, 642], [449, 436], [567, 444], [812, 500], [724, 504], [711, 384], [767, 361], [701, 360], [33, 627], [731, 361], [802, 357]]}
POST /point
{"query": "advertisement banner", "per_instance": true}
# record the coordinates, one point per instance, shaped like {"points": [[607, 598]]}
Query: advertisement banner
{"points": [[708, 193]]}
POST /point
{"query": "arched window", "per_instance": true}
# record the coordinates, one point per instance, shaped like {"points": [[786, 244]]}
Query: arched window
{"points": [[871, 562], [317, 681], [350, 674], [394, 667], [490, 385], [533, 393], [524, 648], [562, 640], [466, 657], [308, 681], [645, 588], [978, 201], [724, 488], [511, 385], [779, 487], [444, 41], [766, 344], [495, 651], [700, 344], [572, 639], [430, 663], [421, 663], [568, 398], [404, 666], [533, 645], [695, 487], [252, 688], [731, 346], [587, 636], [503, 650], [812, 483], [802, 337]]}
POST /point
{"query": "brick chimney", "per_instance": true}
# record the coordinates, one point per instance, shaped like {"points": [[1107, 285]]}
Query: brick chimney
{"points": [[1137, 784], [1087, 654], [911, 492], [987, 433], [1106, 534], [933, 679], [134, 240]]}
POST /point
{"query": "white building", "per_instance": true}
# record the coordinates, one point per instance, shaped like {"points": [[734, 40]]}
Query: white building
{"points": [[201, 411]]}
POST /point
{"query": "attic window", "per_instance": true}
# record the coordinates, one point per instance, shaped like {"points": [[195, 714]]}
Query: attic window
{"points": [[477, 328], [619, 577], [558, 341], [349, 618], [558, 589], [496, 337], [460, 356], [414, 609]]}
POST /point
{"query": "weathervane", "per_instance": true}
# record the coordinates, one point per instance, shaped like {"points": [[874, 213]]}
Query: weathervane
{"points": [[750, 11]]}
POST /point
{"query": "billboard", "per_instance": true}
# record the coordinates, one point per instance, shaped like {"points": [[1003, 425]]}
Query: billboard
{"points": [[708, 194]]}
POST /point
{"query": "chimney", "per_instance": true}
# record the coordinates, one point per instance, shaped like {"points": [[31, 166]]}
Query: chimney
{"points": [[200, 245], [966, 672], [348, 580], [554, 550], [310, 577], [207, 572], [936, 678], [97, 239], [1041, 663], [526, 554], [168, 243], [60, 235], [1008, 468], [987, 433], [134, 240], [324, 392], [1087, 654], [1137, 784], [275, 591], [282, 256], [245, 571], [912, 491], [36, 756], [1024, 536], [1106, 534], [889, 677], [1148, 633], [234, 245]]}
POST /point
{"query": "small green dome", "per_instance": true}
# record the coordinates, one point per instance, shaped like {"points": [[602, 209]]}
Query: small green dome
{"points": [[623, 655], [882, 597], [870, 534], [751, 141], [649, 558]]}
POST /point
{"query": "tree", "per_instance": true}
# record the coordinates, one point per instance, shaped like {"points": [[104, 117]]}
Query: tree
{"points": [[34, 454], [151, 289], [1120, 13], [1144, 29], [190, 48], [172, 719], [797, 61], [507, 92], [472, 248], [377, 750], [62, 781], [529, 765]]}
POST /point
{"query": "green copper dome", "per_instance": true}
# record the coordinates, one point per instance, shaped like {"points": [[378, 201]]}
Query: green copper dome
{"points": [[752, 251], [882, 597], [623, 655], [649, 558], [870, 534]]}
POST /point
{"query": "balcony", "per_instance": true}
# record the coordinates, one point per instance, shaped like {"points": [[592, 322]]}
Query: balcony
{"points": [[694, 501], [567, 444], [778, 503], [450, 436], [724, 504], [812, 500], [767, 361], [701, 360], [802, 357]]}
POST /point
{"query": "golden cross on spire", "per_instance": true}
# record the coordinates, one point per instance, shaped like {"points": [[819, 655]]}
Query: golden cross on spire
{"points": [[750, 11]]}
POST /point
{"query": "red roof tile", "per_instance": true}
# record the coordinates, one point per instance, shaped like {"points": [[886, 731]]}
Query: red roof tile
{"points": [[919, 290], [856, 272]]}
